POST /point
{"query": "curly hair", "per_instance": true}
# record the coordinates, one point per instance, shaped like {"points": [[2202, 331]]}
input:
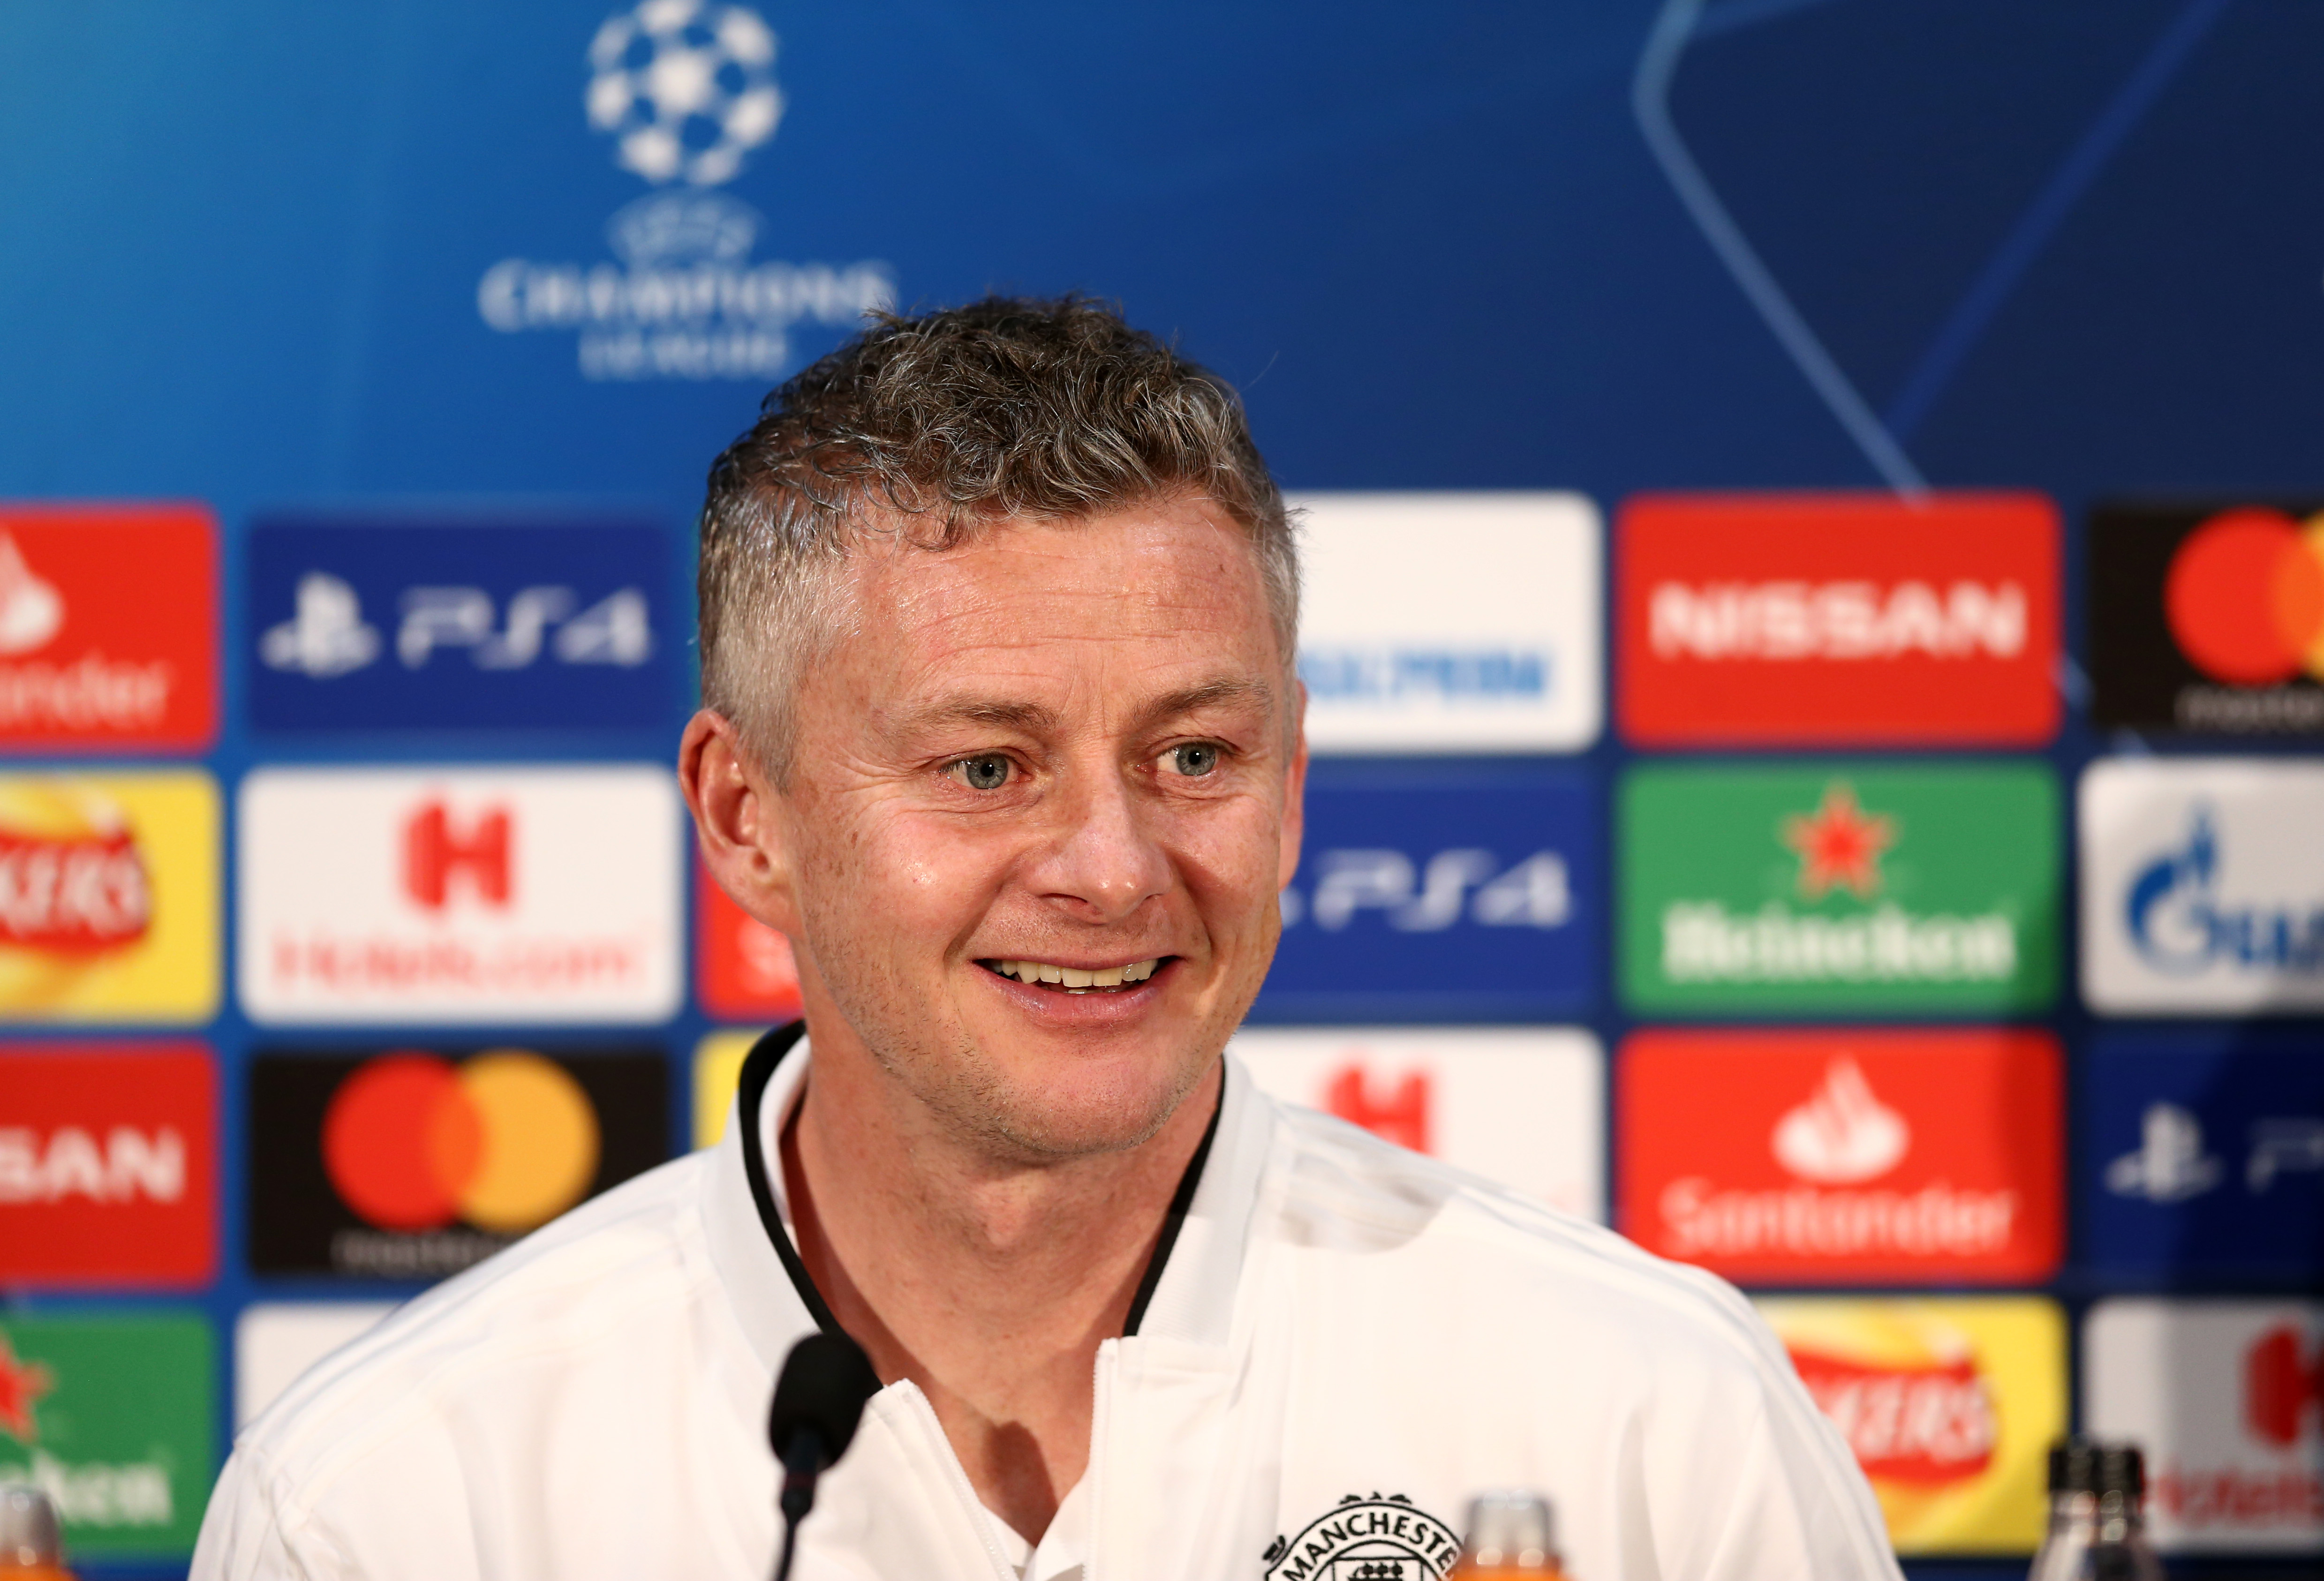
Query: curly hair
{"points": [[931, 428]]}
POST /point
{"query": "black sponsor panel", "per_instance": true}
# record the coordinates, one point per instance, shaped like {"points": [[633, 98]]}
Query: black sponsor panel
{"points": [[2205, 616], [414, 1165]]}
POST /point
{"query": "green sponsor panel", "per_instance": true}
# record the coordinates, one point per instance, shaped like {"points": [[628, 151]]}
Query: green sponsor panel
{"points": [[111, 1416], [1839, 889]]}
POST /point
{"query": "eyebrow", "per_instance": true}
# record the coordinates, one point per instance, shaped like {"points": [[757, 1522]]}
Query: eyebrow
{"points": [[1034, 718]]}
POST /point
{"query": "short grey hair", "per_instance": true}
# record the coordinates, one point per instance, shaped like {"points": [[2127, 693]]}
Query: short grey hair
{"points": [[931, 428]]}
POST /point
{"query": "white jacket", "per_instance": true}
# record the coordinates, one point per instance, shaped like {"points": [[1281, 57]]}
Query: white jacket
{"points": [[1345, 1342]]}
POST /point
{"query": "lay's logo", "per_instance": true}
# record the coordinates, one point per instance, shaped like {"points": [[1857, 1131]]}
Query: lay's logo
{"points": [[1949, 1405], [109, 896], [1929, 1423], [73, 893]]}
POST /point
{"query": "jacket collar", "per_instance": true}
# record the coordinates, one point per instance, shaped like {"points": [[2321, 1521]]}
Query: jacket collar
{"points": [[747, 1217]]}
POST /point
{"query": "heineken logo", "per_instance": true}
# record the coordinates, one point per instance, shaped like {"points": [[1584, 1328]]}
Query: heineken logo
{"points": [[1838, 846], [1784, 887], [111, 1418], [21, 1386], [1366, 1537]]}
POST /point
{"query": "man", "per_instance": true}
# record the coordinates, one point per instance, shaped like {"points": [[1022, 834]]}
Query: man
{"points": [[1001, 728]]}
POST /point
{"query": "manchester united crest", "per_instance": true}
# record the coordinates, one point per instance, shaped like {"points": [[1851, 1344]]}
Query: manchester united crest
{"points": [[1366, 1537]]}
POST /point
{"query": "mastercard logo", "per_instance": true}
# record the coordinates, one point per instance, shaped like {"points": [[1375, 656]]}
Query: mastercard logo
{"points": [[2245, 597], [504, 1141]]}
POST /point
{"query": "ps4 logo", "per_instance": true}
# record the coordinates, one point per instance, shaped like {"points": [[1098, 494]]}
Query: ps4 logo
{"points": [[2172, 1164], [2179, 924], [1430, 897], [327, 636]]}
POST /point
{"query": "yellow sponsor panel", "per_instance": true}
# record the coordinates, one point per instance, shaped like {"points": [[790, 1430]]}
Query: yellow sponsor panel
{"points": [[1950, 1403], [717, 1069], [108, 897]]}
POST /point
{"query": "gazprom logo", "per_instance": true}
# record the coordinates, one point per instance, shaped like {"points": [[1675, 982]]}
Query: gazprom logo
{"points": [[2179, 923], [1395, 676]]}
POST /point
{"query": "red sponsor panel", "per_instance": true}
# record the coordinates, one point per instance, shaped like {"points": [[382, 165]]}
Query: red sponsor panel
{"points": [[1767, 620], [1829, 1157], [748, 974], [108, 627], [108, 1165]]}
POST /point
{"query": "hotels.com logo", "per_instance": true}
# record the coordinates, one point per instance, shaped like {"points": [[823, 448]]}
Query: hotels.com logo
{"points": [[436, 852], [1401, 1116], [2283, 1385]]}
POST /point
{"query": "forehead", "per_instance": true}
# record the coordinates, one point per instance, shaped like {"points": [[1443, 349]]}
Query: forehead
{"points": [[1159, 588]]}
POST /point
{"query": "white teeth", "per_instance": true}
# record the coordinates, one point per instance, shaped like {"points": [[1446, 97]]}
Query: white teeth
{"points": [[1075, 979]]}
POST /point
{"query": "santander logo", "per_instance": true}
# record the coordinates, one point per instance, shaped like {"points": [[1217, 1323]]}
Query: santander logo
{"points": [[1816, 1156], [1843, 1133], [32, 611]]}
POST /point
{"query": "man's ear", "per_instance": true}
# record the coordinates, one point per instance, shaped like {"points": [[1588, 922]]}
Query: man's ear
{"points": [[1295, 798], [738, 821]]}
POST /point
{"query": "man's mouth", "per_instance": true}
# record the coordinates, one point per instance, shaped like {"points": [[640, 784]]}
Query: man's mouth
{"points": [[1078, 979]]}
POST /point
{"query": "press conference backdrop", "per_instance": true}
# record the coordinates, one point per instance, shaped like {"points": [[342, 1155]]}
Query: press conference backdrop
{"points": [[1814, 643]]}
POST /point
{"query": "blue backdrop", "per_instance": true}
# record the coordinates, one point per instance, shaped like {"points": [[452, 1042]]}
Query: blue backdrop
{"points": [[301, 260]]}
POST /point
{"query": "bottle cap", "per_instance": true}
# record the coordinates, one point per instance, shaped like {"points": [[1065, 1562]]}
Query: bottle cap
{"points": [[2122, 1469], [1512, 1530], [28, 1528], [2074, 1466], [2084, 1465]]}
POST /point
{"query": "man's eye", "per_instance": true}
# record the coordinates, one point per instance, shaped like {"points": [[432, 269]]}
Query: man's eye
{"points": [[1195, 759], [987, 772]]}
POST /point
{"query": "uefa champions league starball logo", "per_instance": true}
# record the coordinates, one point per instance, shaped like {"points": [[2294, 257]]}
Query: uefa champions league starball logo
{"points": [[685, 88]]}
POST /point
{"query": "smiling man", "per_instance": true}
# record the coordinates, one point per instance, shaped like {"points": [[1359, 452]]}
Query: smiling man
{"points": [[1003, 730]]}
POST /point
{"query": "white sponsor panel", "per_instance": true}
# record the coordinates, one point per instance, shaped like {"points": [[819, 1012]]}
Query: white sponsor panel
{"points": [[275, 1341], [2222, 1395], [460, 894], [1451, 622], [1522, 1106], [2202, 885]]}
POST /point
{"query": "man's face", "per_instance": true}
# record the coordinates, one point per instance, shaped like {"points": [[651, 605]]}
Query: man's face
{"points": [[1058, 752]]}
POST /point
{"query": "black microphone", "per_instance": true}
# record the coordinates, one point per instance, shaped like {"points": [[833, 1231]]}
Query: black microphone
{"points": [[825, 1383]]}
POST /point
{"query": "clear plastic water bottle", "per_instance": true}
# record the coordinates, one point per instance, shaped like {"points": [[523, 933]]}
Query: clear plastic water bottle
{"points": [[32, 1549], [1511, 1534], [2097, 1528]]}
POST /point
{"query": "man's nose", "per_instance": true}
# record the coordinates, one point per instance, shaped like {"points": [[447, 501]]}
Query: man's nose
{"points": [[1105, 860]]}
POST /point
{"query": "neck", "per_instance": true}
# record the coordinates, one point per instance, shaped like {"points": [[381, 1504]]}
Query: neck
{"points": [[990, 1281]]}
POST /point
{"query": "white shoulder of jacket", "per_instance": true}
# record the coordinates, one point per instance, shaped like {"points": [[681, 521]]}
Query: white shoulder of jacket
{"points": [[623, 1269], [1380, 1212], [1349, 1191]]}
